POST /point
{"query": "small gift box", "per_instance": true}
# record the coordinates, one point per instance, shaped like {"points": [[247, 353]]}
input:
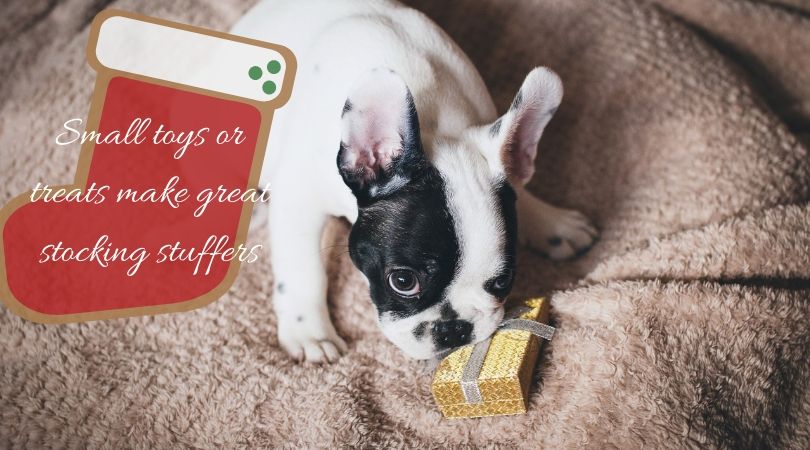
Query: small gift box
{"points": [[492, 378]]}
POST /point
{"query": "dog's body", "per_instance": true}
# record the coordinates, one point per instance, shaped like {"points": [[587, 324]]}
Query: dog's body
{"points": [[432, 196]]}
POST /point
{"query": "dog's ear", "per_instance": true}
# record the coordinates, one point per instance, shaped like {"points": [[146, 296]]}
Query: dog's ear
{"points": [[512, 139], [380, 148]]}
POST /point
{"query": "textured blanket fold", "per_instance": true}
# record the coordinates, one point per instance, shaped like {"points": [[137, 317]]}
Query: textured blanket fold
{"points": [[682, 133]]}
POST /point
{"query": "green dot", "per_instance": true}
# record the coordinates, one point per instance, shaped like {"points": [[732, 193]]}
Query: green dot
{"points": [[274, 67], [255, 72], [269, 87]]}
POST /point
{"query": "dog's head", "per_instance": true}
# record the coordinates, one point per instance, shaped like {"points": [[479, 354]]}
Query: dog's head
{"points": [[435, 236]]}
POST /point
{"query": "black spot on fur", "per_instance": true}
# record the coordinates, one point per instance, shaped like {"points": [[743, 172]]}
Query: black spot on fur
{"points": [[420, 329], [280, 288], [517, 101], [554, 241], [346, 107], [495, 128], [447, 312], [300, 318], [411, 136]]}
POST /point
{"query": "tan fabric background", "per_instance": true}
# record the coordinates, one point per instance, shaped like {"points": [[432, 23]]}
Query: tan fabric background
{"points": [[686, 325]]}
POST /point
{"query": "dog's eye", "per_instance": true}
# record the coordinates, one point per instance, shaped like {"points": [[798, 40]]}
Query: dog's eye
{"points": [[404, 282], [501, 284]]}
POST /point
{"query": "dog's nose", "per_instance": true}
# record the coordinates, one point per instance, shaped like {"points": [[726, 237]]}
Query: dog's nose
{"points": [[452, 333]]}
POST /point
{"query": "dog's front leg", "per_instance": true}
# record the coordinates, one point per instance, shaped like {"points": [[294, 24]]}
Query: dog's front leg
{"points": [[557, 232], [305, 330]]}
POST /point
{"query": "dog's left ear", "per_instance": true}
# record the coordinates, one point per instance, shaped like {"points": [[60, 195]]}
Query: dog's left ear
{"points": [[380, 148], [513, 138]]}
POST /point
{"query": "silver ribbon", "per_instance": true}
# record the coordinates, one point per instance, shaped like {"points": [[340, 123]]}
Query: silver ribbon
{"points": [[469, 377]]}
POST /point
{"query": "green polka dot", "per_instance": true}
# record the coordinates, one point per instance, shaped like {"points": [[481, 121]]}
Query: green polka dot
{"points": [[274, 67], [269, 87], [255, 72]]}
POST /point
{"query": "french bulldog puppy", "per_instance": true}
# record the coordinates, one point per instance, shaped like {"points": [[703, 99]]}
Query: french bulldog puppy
{"points": [[391, 126]]}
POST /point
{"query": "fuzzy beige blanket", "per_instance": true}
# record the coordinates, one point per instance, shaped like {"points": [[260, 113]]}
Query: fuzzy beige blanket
{"points": [[682, 132]]}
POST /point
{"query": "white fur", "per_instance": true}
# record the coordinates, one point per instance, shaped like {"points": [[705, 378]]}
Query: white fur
{"points": [[336, 42], [480, 230]]}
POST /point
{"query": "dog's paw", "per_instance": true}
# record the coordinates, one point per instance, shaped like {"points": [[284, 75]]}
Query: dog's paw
{"points": [[310, 341], [561, 234]]}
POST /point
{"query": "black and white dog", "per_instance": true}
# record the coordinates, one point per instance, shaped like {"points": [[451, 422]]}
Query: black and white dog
{"points": [[391, 126]]}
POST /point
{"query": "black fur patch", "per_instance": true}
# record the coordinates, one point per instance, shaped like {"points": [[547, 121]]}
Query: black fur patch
{"points": [[517, 101], [411, 136], [346, 107], [506, 202], [495, 128], [420, 329], [413, 229], [280, 288], [447, 312]]}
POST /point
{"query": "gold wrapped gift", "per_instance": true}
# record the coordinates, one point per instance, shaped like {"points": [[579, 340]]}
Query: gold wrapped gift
{"points": [[492, 378]]}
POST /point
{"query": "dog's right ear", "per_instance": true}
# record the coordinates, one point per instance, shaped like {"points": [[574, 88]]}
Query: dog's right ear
{"points": [[380, 147], [513, 138]]}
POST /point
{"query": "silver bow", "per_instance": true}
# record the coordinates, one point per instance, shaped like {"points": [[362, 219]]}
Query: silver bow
{"points": [[469, 378]]}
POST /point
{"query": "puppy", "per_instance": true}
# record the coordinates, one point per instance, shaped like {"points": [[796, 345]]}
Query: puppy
{"points": [[391, 126]]}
